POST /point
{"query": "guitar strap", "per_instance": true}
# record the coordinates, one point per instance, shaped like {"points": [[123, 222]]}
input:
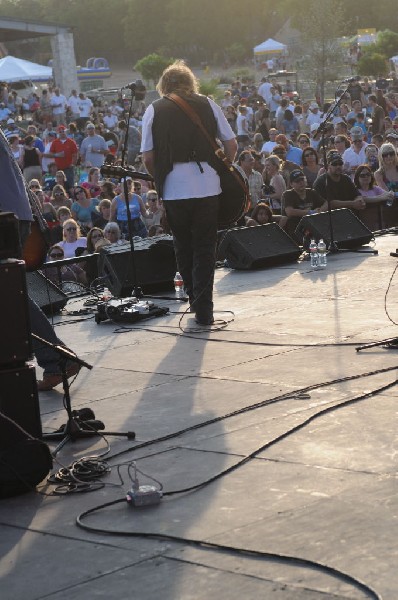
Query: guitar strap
{"points": [[193, 115]]}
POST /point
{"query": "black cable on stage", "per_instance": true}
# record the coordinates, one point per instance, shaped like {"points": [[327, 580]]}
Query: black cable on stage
{"points": [[290, 560], [262, 403]]}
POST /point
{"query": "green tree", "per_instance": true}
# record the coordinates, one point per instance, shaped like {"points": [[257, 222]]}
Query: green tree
{"points": [[322, 53], [152, 66], [372, 63]]}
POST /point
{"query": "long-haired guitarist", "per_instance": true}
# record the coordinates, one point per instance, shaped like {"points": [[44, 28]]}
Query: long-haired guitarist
{"points": [[184, 166]]}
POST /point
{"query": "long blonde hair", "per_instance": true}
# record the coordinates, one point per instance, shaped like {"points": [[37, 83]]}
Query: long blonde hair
{"points": [[387, 147], [178, 78]]}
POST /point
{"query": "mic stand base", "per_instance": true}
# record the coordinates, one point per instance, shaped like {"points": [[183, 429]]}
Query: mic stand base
{"points": [[391, 343]]}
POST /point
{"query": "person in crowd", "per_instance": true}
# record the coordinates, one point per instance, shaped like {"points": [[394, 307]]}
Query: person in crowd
{"points": [[112, 233], [255, 179], [269, 146], [93, 185], [314, 116], [258, 142], [386, 175], [189, 189], [299, 201], [275, 183], [59, 197], [311, 165], [101, 216], [372, 157], [64, 151], [355, 154], [83, 208], [60, 179], [57, 232], [289, 124], [336, 186], [365, 183], [293, 154], [58, 275], [58, 104], [303, 141], [261, 215], [378, 115], [341, 143], [72, 239], [93, 237], [242, 126], [231, 116], [287, 166], [16, 148], [137, 211], [93, 148], [31, 160], [155, 212]]}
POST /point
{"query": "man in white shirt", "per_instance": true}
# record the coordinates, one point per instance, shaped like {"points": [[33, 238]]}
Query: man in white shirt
{"points": [[314, 116], [264, 89], [58, 103], [270, 145], [73, 105], [355, 154], [110, 119], [85, 110]]}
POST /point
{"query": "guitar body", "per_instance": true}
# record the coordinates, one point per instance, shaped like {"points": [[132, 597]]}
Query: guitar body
{"points": [[234, 198], [35, 249]]}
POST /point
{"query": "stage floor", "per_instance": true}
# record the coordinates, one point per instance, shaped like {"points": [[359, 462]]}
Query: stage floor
{"points": [[321, 485]]}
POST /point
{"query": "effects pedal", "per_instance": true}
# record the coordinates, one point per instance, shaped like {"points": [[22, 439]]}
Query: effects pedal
{"points": [[127, 310]]}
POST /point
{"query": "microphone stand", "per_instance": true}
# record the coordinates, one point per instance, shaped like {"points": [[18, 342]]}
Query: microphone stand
{"points": [[77, 426], [333, 248]]}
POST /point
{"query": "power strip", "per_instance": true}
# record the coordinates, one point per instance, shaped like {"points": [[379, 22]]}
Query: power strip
{"points": [[145, 495]]}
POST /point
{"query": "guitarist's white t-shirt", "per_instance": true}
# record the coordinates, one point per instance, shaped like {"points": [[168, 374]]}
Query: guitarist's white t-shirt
{"points": [[186, 179]]}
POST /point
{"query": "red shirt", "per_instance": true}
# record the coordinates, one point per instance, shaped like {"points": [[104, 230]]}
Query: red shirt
{"points": [[69, 148]]}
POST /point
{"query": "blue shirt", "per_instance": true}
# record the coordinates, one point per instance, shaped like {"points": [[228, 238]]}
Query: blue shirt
{"points": [[295, 155]]}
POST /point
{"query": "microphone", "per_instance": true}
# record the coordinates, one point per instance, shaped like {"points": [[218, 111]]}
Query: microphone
{"points": [[130, 86], [120, 172], [352, 79]]}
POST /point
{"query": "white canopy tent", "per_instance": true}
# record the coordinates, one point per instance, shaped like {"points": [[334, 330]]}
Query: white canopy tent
{"points": [[270, 46], [15, 69]]}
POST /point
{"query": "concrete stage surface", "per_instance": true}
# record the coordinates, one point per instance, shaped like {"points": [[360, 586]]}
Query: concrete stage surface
{"points": [[325, 493]]}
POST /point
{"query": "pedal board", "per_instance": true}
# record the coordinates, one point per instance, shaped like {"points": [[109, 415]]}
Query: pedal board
{"points": [[127, 310]]}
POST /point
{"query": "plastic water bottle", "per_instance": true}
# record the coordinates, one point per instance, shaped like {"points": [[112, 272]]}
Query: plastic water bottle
{"points": [[314, 257], [106, 294], [322, 257], [178, 284]]}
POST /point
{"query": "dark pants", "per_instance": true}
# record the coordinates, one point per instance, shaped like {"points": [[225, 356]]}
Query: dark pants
{"points": [[46, 357], [193, 223]]}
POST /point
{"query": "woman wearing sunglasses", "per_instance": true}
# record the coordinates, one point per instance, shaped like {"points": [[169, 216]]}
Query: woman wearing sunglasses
{"points": [[365, 183], [72, 239], [59, 197], [65, 273], [386, 175]]}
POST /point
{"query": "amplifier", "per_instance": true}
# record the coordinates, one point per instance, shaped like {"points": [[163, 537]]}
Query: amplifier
{"points": [[14, 314], [154, 262]]}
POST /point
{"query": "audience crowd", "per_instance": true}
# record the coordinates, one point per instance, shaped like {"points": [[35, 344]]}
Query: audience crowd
{"points": [[60, 144]]}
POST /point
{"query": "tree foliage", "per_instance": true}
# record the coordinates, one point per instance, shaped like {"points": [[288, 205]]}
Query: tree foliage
{"points": [[152, 66], [372, 63]]}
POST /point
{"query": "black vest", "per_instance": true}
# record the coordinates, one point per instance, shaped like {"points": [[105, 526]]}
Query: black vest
{"points": [[177, 139]]}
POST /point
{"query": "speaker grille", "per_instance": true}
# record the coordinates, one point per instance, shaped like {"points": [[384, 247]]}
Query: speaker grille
{"points": [[348, 230], [45, 293], [258, 247]]}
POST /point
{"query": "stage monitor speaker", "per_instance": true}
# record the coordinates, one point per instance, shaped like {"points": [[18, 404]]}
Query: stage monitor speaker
{"points": [[45, 293], [258, 247], [348, 231], [154, 260], [10, 245], [14, 315], [19, 401]]}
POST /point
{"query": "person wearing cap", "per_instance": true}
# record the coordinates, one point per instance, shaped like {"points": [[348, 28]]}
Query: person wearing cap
{"points": [[11, 129], [299, 201], [110, 120], [336, 186], [355, 155], [392, 137], [314, 116], [93, 148], [64, 151]]}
